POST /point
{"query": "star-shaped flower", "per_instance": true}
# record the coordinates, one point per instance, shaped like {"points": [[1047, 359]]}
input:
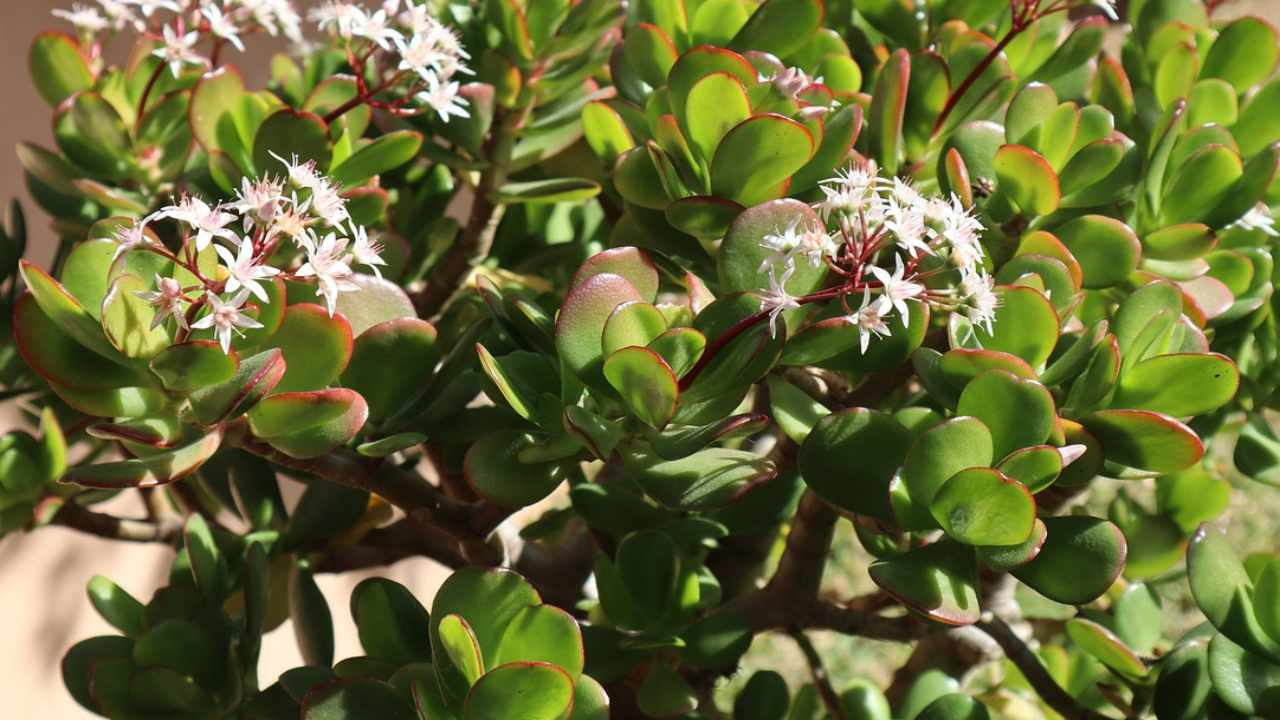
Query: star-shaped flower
{"points": [[244, 270], [179, 50], [168, 299], [327, 263], [226, 317]]}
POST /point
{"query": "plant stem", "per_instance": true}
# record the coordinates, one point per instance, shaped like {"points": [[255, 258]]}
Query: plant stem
{"points": [[1029, 663], [967, 84], [146, 94], [76, 516], [820, 679]]}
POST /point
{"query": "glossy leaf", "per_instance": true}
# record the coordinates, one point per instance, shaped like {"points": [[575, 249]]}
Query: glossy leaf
{"points": [[849, 458], [982, 506], [1080, 559], [939, 581]]}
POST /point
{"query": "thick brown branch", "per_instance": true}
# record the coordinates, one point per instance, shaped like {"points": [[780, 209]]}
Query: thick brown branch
{"points": [[385, 546], [78, 517], [820, 679], [1027, 661]]}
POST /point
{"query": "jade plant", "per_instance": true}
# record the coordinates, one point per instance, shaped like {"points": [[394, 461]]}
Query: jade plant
{"points": [[641, 318]]}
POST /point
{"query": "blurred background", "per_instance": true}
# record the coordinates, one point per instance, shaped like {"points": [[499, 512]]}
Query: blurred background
{"points": [[43, 576]]}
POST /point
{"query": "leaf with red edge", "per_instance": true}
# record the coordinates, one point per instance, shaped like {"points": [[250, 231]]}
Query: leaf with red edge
{"points": [[888, 110], [631, 263], [316, 347], [57, 357], [983, 506], [757, 156], [1145, 440], [408, 342], [159, 469], [699, 62], [1027, 179], [582, 318], [780, 27], [939, 581], [645, 382], [256, 376], [1080, 559], [309, 424]]}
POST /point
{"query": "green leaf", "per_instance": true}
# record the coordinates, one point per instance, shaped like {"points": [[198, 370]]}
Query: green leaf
{"points": [[645, 382], [459, 642], [631, 263], [1036, 466], [312, 621], [1145, 440], [352, 698], [1179, 384], [1192, 496], [59, 358], [1267, 599], [1244, 681], [1175, 73], [58, 69], [1025, 325], [1254, 129], [214, 102], [384, 154], [1179, 242], [547, 191], [705, 480], [631, 324], [794, 411], [1224, 592], [1018, 412], [316, 347], [1103, 645], [311, 423], [716, 103], [193, 365], [757, 155], [376, 301], [702, 216], [1081, 557], [53, 446], [492, 468], [665, 693], [1201, 182], [942, 451], [127, 319], [116, 606], [412, 342], [938, 581], [542, 633], [1007, 557], [742, 257], [390, 444], [64, 310], [1027, 179], [888, 109], [1184, 686], [288, 132], [954, 706], [207, 564], [78, 664], [850, 457], [256, 376], [764, 697], [982, 506], [780, 27], [650, 52], [1244, 53], [392, 624], [582, 318], [533, 691], [487, 599], [603, 127], [589, 700], [159, 469]]}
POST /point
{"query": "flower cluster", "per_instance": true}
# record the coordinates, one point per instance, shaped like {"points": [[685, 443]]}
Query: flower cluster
{"points": [[302, 208], [422, 55], [870, 223], [179, 24]]}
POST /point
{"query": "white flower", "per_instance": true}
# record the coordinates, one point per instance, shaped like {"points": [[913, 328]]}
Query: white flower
{"points": [[337, 15], [981, 300], [86, 19], [1258, 218], [226, 317], [244, 270], [208, 222], [367, 251], [302, 174], [906, 223], [777, 300], [869, 319], [130, 237], [421, 56], [177, 50], [794, 240], [259, 202], [328, 205], [444, 99], [168, 299], [148, 7], [120, 16], [790, 82], [374, 28], [221, 25], [327, 263], [961, 231], [850, 193], [896, 289], [293, 223]]}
